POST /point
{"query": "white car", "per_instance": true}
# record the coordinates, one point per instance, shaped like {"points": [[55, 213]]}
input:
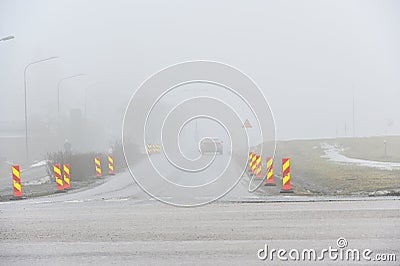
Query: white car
{"points": [[211, 145]]}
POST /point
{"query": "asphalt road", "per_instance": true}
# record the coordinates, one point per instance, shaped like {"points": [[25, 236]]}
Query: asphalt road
{"points": [[117, 223]]}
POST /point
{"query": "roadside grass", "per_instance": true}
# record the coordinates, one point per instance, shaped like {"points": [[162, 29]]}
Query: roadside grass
{"points": [[82, 170], [5, 169], [373, 148], [316, 174]]}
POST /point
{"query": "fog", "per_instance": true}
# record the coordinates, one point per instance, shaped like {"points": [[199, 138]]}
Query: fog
{"points": [[315, 61]]}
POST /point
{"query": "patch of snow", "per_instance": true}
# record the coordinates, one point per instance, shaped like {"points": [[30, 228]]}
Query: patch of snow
{"points": [[39, 181], [37, 164], [332, 153]]}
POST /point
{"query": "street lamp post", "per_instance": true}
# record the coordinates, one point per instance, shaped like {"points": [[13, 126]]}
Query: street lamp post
{"points": [[25, 98], [7, 38], [385, 144], [58, 89]]}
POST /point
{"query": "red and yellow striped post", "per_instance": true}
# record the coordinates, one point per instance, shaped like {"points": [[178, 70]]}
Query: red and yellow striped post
{"points": [[67, 178], [258, 171], [250, 158], [16, 178], [286, 176], [110, 165], [149, 149], [253, 163], [270, 172], [97, 166], [57, 175]]}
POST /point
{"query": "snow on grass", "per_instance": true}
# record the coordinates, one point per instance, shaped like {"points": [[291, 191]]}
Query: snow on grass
{"points": [[38, 164], [332, 153]]}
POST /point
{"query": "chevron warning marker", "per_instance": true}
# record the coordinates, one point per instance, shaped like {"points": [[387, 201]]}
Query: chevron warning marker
{"points": [[16, 178], [286, 188]]}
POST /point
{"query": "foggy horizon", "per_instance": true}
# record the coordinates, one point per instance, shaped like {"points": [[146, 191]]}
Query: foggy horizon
{"points": [[307, 57]]}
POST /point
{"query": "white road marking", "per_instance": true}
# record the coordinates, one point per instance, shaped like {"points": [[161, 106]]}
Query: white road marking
{"points": [[73, 201], [114, 199]]}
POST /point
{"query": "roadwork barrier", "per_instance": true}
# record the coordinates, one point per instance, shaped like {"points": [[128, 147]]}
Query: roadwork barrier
{"points": [[97, 165], [270, 172], [16, 178], [258, 170], [67, 177], [250, 162], [110, 165], [149, 149], [253, 163], [58, 177], [286, 188]]}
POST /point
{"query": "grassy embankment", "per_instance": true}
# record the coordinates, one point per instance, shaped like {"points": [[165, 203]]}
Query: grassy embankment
{"points": [[319, 175]]}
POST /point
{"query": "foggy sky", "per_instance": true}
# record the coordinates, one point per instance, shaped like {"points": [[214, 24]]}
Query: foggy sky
{"points": [[307, 56]]}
